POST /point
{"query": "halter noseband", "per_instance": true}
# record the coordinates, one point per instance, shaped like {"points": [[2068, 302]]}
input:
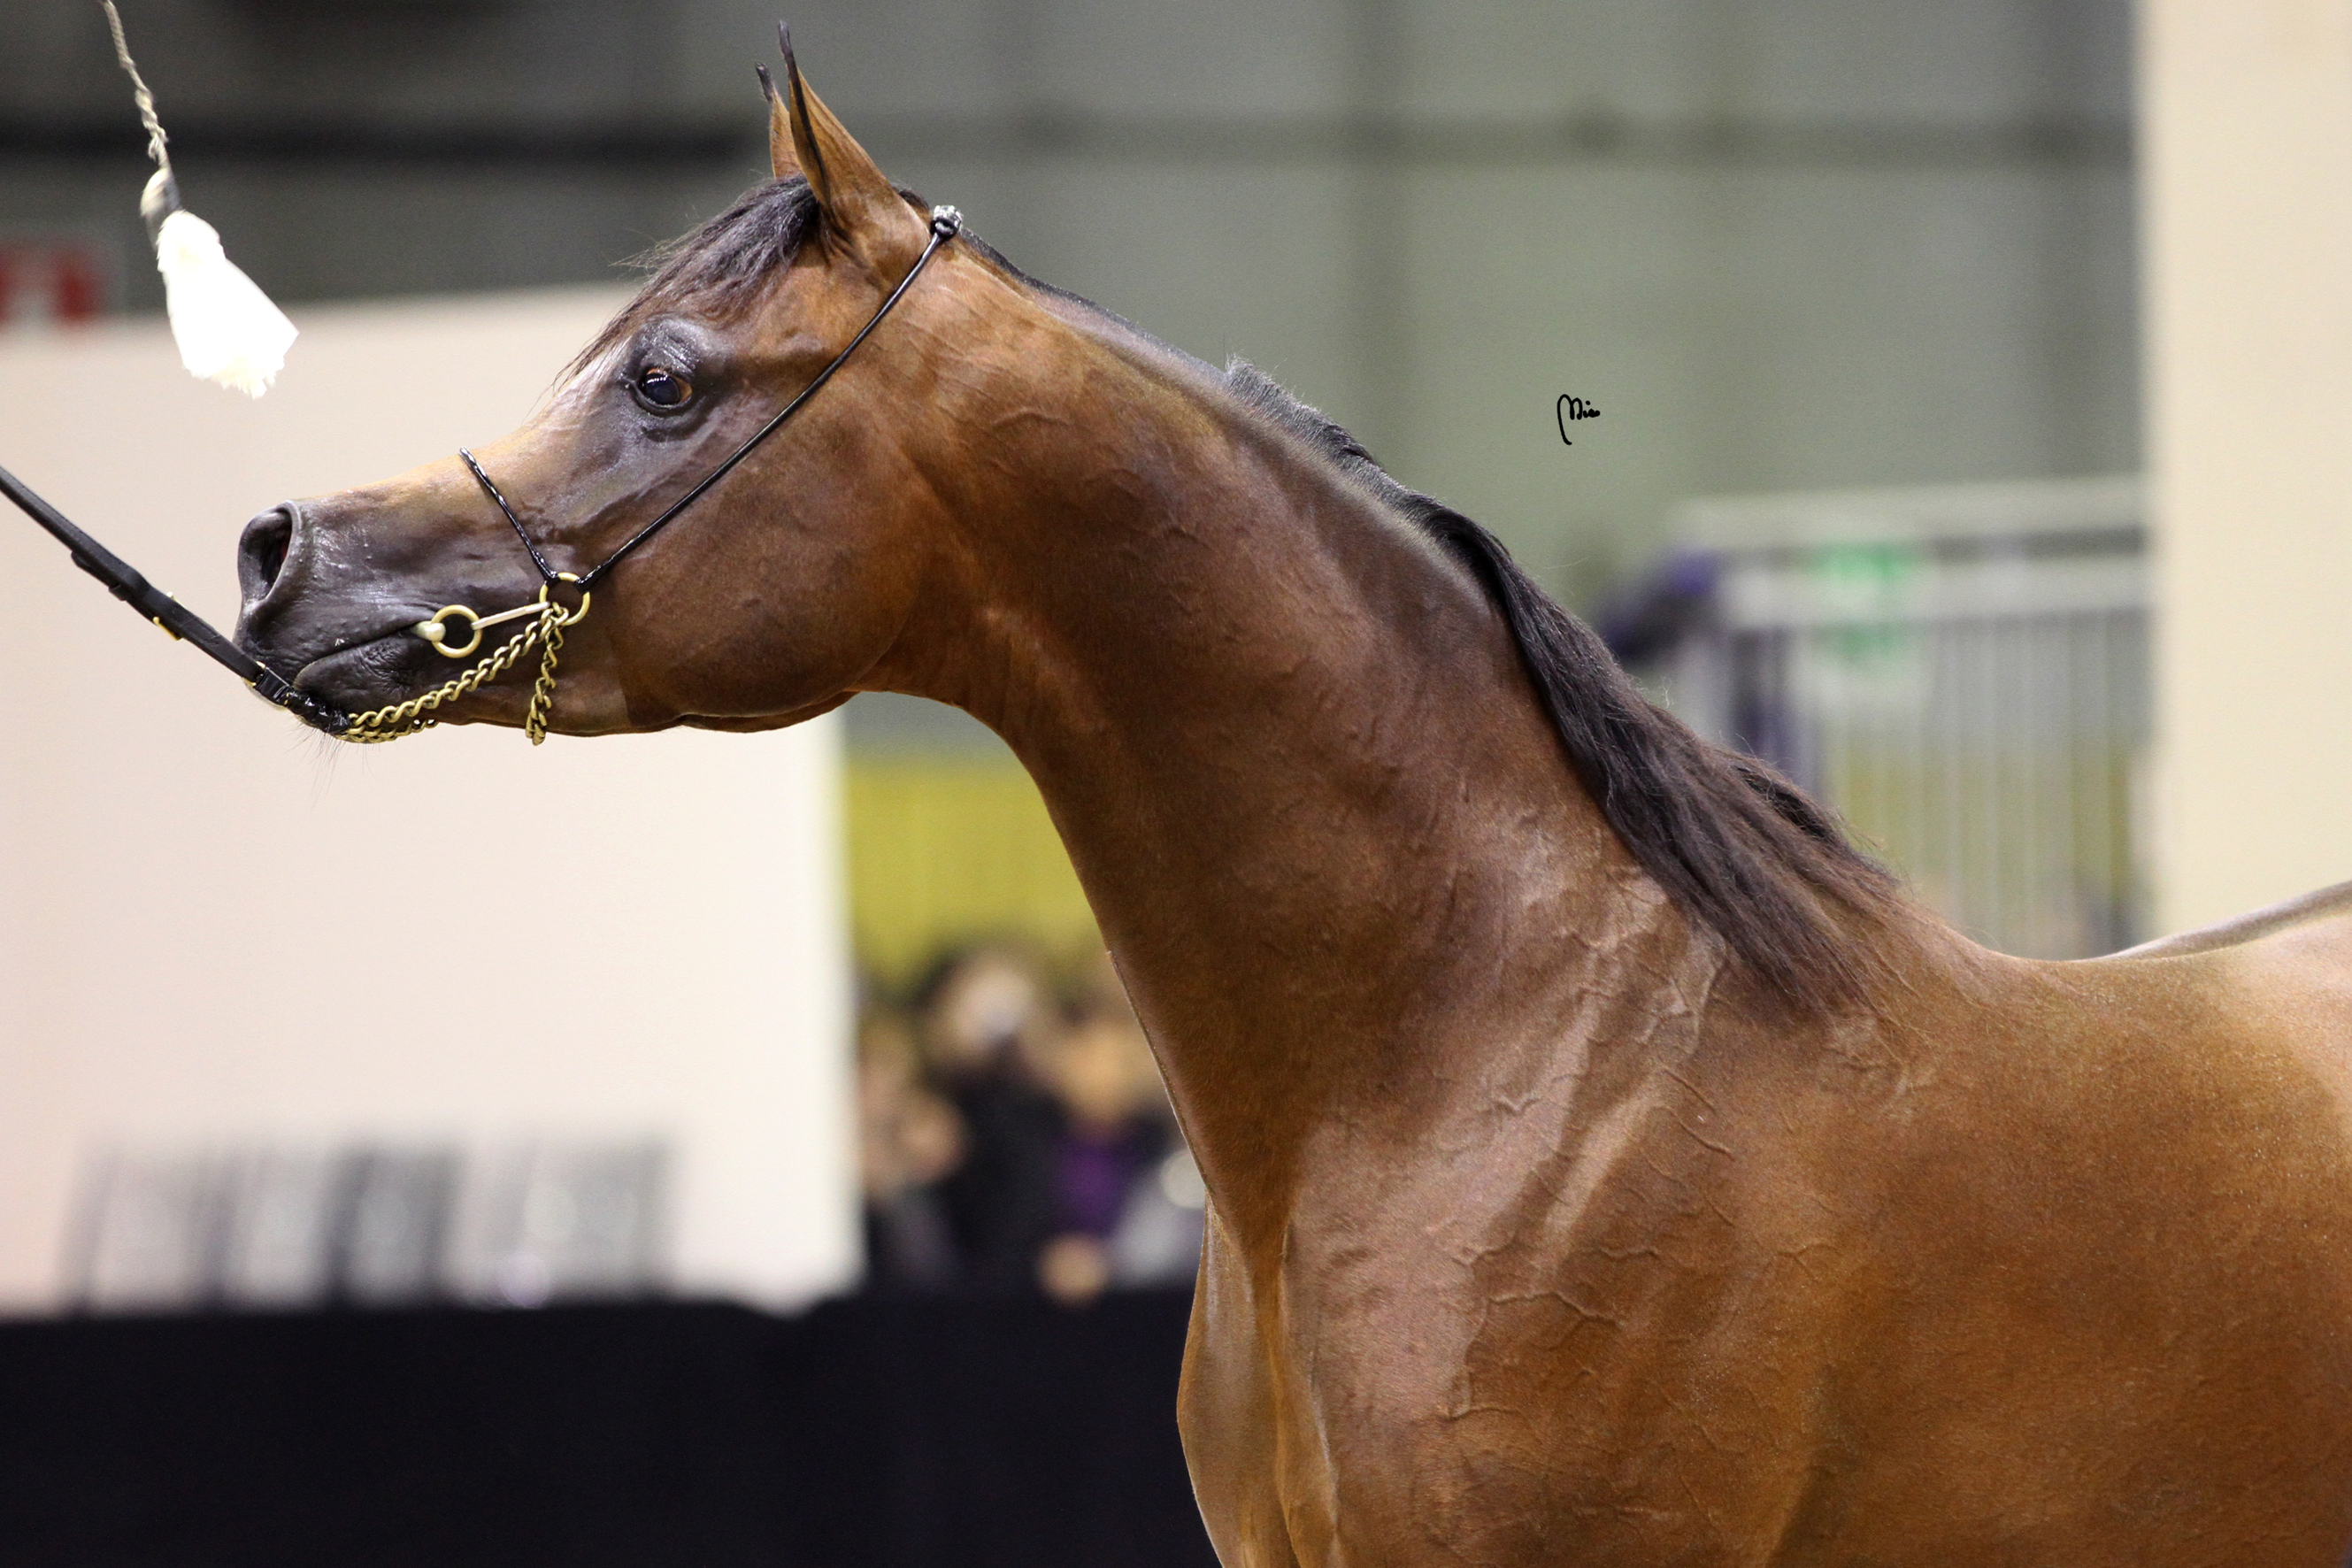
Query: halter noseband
{"points": [[548, 617]]}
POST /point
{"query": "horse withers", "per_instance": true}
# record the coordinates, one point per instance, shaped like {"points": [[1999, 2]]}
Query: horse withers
{"points": [[1607, 1163]]}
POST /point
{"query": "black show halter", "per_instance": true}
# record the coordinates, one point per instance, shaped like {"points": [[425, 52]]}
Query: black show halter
{"points": [[946, 223], [407, 718], [548, 617]]}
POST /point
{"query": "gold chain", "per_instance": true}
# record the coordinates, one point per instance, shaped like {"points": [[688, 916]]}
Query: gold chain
{"points": [[378, 725], [542, 690]]}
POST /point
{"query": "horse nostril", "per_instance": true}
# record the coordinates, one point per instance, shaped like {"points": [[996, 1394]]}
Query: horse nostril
{"points": [[261, 551]]}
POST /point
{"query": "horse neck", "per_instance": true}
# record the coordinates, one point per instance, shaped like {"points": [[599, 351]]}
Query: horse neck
{"points": [[1324, 823]]}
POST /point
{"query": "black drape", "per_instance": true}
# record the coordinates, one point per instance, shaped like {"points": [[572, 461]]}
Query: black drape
{"points": [[894, 1433]]}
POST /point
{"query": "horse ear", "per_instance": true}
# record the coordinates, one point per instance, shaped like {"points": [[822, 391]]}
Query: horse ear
{"points": [[783, 161], [859, 202]]}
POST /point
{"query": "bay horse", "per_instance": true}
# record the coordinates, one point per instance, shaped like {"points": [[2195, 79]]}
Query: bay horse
{"points": [[1608, 1164]]}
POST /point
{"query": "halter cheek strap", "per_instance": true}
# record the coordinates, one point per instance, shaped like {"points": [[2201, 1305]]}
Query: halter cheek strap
{"points": [[548, 617], [545, 570]]}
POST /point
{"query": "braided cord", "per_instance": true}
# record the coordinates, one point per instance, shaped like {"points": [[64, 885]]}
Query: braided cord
{"points": [[156, 140]]}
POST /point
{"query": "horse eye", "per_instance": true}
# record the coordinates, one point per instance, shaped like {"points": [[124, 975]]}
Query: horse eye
{"points": [[658, 388]]}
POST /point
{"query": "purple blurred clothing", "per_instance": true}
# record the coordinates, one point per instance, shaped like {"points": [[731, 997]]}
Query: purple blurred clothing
{"points": [[1094, 1173]]}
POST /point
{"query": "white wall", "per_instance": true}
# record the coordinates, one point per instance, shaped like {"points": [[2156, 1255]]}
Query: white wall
{"points": [[213, 926], [2248, 189]]}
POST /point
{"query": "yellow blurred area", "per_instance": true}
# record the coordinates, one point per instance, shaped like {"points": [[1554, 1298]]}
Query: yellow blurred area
{"points": [[947, 849]]}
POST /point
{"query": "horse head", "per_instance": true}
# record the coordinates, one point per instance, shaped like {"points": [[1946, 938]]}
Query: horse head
{"points": [[770, 598]]}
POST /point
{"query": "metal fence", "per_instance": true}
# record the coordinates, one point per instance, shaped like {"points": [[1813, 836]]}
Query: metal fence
{"points": [[1961, 672], [266, 1226]]}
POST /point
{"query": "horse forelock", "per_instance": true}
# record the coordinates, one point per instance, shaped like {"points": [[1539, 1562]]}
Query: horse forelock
{"points": [[724, 265]]}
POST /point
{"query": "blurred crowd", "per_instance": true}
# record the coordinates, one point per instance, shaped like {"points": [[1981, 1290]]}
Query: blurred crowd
{"points": [[1016, 1137]]}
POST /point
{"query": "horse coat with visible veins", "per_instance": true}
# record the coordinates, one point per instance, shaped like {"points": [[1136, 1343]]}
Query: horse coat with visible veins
{"points": [[1606, 1166]]}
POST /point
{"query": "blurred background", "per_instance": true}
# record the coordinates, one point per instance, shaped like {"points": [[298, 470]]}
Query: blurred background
{"points": [[1945, 400]]}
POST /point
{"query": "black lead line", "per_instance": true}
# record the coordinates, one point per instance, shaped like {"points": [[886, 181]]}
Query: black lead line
{"points": [[151, 602]]}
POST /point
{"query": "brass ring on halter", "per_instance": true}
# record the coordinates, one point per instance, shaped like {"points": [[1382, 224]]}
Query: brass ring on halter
{"points": [[436, 630], [576, 613]]}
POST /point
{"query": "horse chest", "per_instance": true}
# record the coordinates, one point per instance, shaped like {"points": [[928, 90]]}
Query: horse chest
{"points": [[1501, 1384]]}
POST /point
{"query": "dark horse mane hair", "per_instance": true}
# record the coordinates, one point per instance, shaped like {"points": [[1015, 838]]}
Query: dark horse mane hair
{"points": [[1744, 852]]}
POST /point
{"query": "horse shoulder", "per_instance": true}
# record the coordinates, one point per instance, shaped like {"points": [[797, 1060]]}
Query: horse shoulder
{"points": [[1593, 1314]]}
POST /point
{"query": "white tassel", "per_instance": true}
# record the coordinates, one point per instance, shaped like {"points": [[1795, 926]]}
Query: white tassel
{"points": [[228, 330]]}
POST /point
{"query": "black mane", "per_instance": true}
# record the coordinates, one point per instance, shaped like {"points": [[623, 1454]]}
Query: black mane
{"points": [[1743, 851]]}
